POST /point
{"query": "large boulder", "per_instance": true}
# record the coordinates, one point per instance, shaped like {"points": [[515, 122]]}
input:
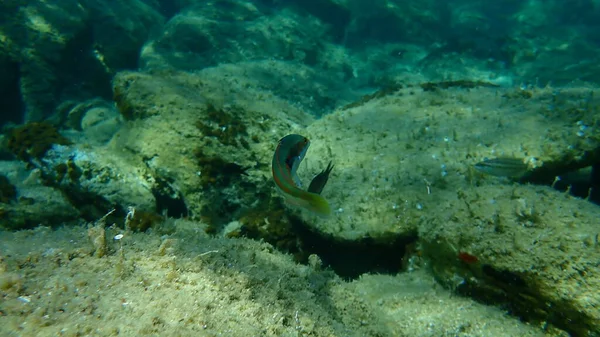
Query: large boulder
{"points": [[404, 168], [209, 134]]}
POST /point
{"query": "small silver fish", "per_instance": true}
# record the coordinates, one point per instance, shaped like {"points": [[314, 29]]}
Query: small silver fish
{"points": [[503, 167]]}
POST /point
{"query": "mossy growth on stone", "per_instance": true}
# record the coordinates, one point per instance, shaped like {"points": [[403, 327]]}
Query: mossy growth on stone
{"points": [[8, 192], [225, 126], [272, 222], [215, 171], [519, 93], [68, 170], [142, 221], [391, 88], [123, 104], [32, 140]]}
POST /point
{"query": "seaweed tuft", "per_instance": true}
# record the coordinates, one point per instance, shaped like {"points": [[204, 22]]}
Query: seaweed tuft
{"points": [[216, 171], [32, 140], [223, 125], [141, 221]]}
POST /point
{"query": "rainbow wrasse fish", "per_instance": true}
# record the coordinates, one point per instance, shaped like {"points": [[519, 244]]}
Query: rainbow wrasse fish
{"points": [[503, 167], [288, 155]]}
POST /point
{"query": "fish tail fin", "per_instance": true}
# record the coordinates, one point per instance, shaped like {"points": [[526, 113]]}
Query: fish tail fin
{"points": [[318, 205], [310, 201]]}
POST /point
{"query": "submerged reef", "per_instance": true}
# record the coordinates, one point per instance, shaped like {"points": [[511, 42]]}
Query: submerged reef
{"points": [[462, 222], [223, 144], [154, 124], [406, 167], [29, 203]]}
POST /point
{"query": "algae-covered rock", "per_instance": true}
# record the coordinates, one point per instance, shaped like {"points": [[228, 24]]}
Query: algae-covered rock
{"points": [[397, 155], [206, 34], [530, 248], [32, 140], [99, 179], [90, 180], [68, 49], [404, 168], [31, 203], [232, 287], [283, 51], [205, 135]]}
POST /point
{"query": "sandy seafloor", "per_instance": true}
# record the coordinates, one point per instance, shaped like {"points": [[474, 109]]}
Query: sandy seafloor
{"points": [[187, 284]]}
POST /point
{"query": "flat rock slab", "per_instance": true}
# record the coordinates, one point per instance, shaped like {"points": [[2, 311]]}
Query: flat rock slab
{"points": [[404, 167], [531, 248], [396, 155]]}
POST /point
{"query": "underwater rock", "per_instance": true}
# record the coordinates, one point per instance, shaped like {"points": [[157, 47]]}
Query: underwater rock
{"points": [[120, 29], [68, 50], [214, 139], [96, 180], [40, 33], [290, 54], [32, 204], [32, 140], [206, 34], [404, 166], [97, 120], [395, 153], [530, 249], [91, 179]]}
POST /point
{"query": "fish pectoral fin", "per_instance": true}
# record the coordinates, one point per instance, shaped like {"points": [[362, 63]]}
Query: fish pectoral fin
{"points": [[318, 183]]}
